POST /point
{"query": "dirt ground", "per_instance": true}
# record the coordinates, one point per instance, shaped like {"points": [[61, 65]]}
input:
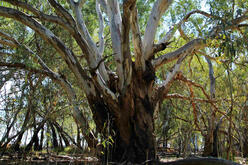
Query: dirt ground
{"points": [[243, 161]]}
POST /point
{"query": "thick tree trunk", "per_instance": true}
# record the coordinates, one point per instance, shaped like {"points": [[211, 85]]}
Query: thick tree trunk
{"points": [[211, 145], [132, 128], [139, 146], [208, 145], [132, 134]]}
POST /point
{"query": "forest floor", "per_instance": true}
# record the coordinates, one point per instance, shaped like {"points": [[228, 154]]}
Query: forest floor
{"points": [[243, 161], [45, 158], [37, 158]]}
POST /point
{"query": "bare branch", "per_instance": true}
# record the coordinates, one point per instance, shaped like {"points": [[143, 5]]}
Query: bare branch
{"points": [[40, 15], [101, 28], [136, 36], [179, 96], [103, 3], [128, 7], [165, 86], [186, 49], [211, 77], [25, 67], [94, 55], [233, 24], [194, 107], [158, 9], [160, 47], [172, 30], [184, 79], [77, 6], [114, 16], [62, 12]]}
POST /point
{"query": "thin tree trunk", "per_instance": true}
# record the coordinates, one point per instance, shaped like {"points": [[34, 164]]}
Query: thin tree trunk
{"points": [[61, 146], [54, 137], [62, 133], [35, 136], [41, 139], [210, 144], [78, 136], [17, 143]]}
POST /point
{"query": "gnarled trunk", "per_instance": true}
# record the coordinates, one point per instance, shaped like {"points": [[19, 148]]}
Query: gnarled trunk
{"points": [[132, 127], [137, 143]]}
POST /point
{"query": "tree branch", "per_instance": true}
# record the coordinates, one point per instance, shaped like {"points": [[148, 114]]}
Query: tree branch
{"points": [[172, 30], [48, 36], [7, 43], [158, 9], [23, 66], [71, 27], [137, 41], [77, 7], [128, 7], [165, 86], [4, 35], [186, 49], [114, 16], [179, 96], [94, 56], [62, 12], [101, 28], [103, 3], [85, 81], [40, 15]]}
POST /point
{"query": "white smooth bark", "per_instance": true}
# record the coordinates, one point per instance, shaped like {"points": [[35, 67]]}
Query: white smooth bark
{"points": [[186, 49], [94, 56], [160, 6], [114, 16]]}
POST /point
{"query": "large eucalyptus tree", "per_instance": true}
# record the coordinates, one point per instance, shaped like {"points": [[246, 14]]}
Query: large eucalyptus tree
{"points": [[125, 95]]}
